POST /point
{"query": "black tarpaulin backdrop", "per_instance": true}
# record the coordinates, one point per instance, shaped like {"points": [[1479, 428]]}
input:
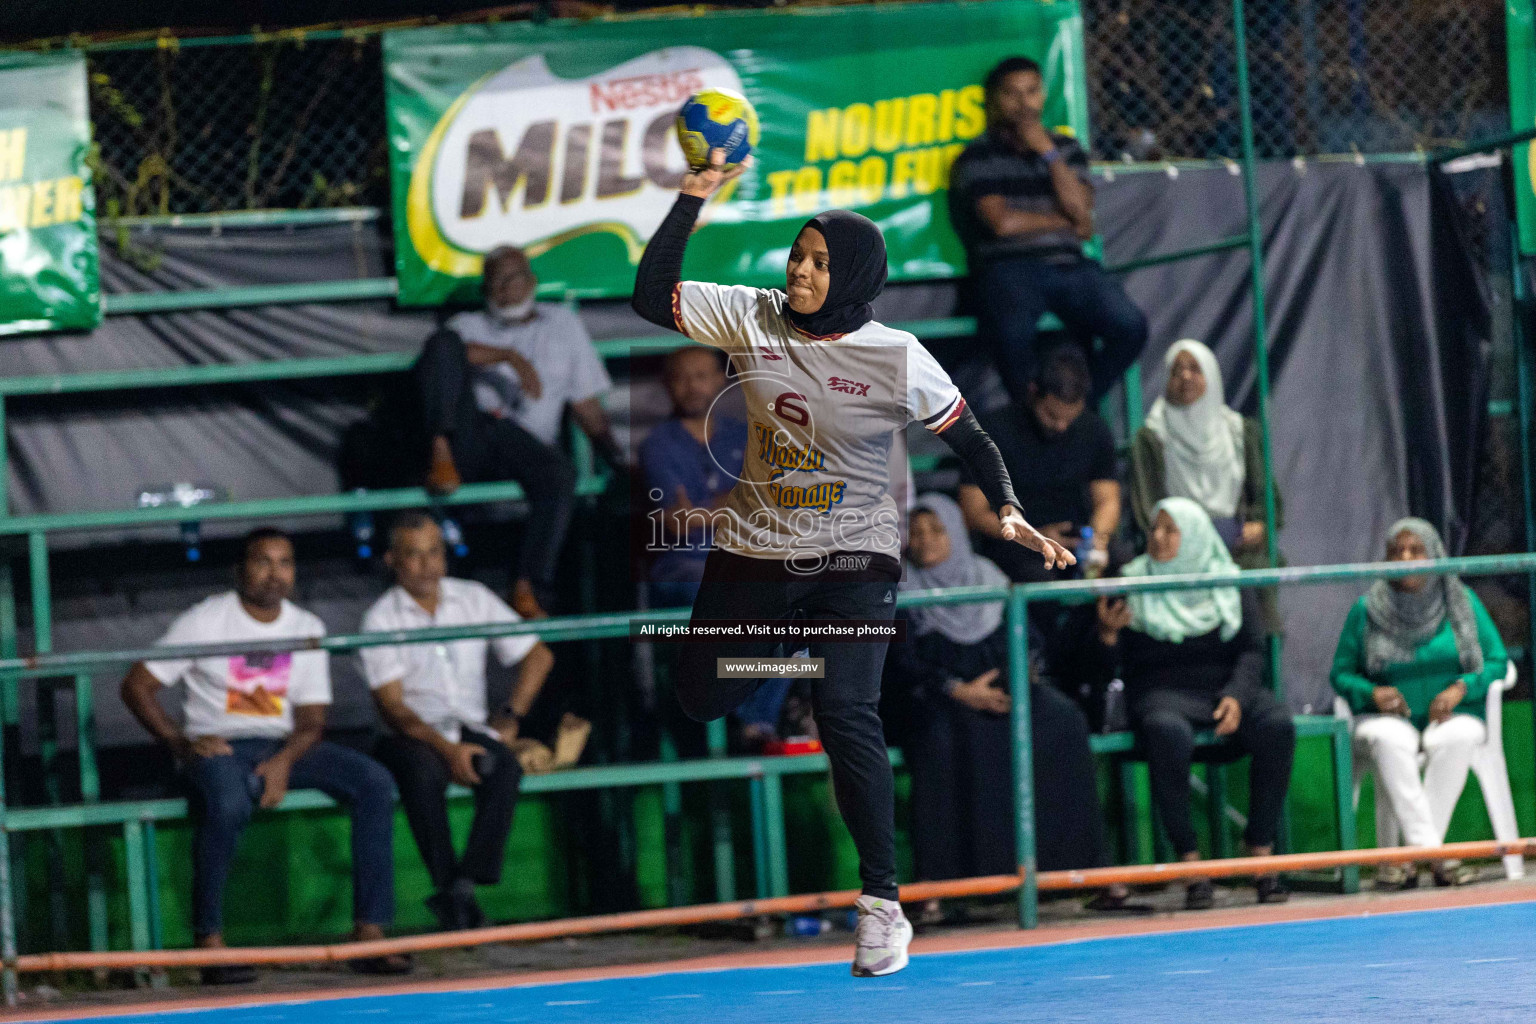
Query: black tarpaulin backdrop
{"points": [[1377, 332], [1376, 322]]}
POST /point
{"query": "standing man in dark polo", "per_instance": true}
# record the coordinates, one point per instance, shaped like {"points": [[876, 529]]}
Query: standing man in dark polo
{"points": [[1021, 201]]}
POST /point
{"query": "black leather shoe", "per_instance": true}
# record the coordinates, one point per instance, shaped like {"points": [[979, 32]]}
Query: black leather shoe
{"points": [[1104, 903], [228, 974], [1271, 889], [468, 909], [399, 963], [446, 909], [1200, 896]]}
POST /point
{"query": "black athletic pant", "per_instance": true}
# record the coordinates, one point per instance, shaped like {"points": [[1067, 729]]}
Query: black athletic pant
{"points": [[422, 778], [487, 448], [1166, 721], [845, 702]]}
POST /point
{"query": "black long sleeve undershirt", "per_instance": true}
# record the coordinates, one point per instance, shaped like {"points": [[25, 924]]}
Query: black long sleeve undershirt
{"points": [[980, 455], [661, 268]]}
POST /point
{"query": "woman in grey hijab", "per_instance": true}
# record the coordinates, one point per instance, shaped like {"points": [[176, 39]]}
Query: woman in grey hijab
{"points": [[961, 567], [951, 672], [1414, 662]]}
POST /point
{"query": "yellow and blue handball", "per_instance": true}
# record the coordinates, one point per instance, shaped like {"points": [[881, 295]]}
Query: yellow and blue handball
{"points": [[717, 119]]}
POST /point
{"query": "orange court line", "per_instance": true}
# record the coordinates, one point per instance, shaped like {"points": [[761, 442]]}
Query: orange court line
{"points": [[698, 914], [1001, 938]]}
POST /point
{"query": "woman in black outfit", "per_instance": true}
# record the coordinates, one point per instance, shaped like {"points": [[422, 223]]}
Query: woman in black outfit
{"points": [[954, 667], [808, 532], [1191, 660]]}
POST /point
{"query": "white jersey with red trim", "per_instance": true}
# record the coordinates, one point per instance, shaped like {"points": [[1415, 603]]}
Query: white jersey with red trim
{"points": [[821, 415]]}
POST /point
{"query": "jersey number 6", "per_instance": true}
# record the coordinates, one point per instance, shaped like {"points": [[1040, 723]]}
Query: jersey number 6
{"points": [[788, 407]]}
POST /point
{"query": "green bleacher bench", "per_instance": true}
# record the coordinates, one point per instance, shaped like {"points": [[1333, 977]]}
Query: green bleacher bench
{"points": [[763, 774], [137, 818]]}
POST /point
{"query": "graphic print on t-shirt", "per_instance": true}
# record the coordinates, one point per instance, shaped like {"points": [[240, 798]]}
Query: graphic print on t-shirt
{"points": [[258, 683], [777, 450]]}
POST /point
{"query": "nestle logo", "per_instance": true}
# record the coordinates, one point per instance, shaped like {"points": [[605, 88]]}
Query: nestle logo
{"points": [[666, 87], [848, 387]]}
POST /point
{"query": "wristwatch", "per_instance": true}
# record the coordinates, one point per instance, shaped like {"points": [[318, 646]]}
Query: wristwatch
{"points": [[1051, 155]]}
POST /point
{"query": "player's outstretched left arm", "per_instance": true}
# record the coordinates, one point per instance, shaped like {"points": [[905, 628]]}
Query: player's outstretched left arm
{"points": [[980, 455]]}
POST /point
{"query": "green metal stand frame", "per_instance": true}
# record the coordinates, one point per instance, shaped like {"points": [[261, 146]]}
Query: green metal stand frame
{"points": [[764, 775], [770, 845]]}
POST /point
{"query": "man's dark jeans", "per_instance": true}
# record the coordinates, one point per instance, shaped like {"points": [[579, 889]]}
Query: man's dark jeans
{"points": [[423, 778], [489, 449], [221, 806], [1013, 294]]}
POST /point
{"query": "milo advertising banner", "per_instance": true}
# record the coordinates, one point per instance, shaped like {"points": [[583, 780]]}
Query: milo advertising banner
{"points": [[1521, 37], [559, 138], [47, 210]]}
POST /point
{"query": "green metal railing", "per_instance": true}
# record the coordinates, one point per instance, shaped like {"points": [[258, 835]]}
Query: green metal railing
{"points": [[767, 798], [36, 528]]}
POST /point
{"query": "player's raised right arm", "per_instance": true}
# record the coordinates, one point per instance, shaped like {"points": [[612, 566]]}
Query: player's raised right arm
{"points": [[661, 268]]}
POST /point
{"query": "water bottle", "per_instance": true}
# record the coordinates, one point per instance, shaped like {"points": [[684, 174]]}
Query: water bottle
{"points": [[805, 926], [192, 538], [1116, 716], [453, 536], [182, 495], [1084, 552], [362, 533]]}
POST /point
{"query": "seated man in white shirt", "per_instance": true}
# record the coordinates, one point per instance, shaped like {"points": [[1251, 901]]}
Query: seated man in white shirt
{"points": [[253, 728], [494, 385], [432, 697]]}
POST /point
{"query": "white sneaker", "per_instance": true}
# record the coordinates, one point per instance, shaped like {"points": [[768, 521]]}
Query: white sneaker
{"points": [[882, 937]]}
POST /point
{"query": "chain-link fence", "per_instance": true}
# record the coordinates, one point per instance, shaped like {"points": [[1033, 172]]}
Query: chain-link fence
{"points": [[301, 123], [1327, 76], [282, 124]]}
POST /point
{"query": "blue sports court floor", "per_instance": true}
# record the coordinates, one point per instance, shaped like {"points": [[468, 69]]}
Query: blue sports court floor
{"points": [[1472, 965]]}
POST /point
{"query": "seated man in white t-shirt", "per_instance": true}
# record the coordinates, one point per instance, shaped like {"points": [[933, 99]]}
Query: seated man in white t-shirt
{"points": [[253, 730], [494, 385], [433, 699]]}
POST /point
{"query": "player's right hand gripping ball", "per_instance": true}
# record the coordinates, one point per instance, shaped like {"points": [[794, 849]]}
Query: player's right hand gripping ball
{"points": [[717, 119]]}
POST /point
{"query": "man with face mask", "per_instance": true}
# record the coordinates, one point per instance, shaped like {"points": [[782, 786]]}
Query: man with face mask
{"points": [[494, 385]]}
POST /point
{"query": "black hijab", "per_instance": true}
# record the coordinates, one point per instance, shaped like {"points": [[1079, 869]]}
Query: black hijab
{"points": [[857, 257]]}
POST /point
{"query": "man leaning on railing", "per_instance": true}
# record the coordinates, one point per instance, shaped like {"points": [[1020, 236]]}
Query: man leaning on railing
{"points": [[253, 730]]}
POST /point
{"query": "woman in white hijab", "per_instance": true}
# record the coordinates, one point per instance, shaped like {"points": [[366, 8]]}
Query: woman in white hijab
{"points": [[1192, 446]]}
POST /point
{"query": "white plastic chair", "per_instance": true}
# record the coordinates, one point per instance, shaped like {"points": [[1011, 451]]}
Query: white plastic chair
{"points": [[1487, 763]]}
